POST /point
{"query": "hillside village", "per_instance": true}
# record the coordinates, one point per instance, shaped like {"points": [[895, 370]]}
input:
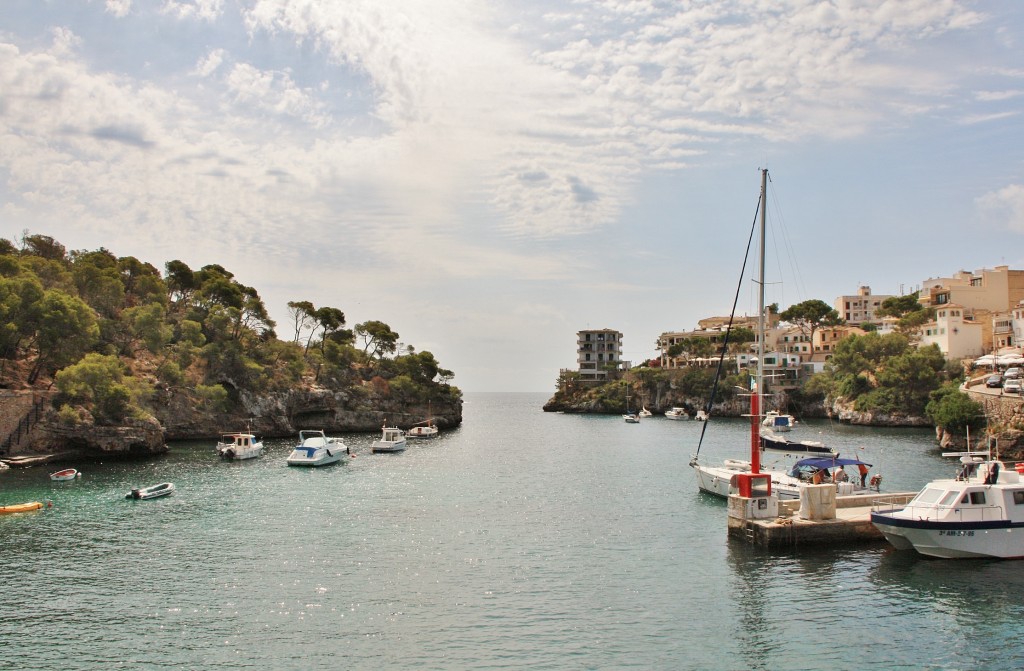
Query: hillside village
{"points": [[969, 314]]}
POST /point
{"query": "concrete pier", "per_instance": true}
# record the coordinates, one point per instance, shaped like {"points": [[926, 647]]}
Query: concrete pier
{"points": [[843, 519]]}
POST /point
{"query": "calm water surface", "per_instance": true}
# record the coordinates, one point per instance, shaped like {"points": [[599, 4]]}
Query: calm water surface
{"points": [[520, 540]]}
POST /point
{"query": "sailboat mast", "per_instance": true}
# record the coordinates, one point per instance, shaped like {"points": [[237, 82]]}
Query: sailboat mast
{"points": [[755, 397]]}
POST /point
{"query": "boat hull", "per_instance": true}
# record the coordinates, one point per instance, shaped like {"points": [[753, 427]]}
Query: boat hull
{"points": [[154, 492], [715, 480], [996, 539], [381, 446], [65, 475], [322, 457], [20, 508]]}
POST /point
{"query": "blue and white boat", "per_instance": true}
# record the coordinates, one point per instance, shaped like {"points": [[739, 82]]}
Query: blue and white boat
{"points": [[778, 422], [316, 449], [979, 514]]}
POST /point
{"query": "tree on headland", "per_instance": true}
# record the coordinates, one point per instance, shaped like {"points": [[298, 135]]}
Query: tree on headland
{"points": [[908, 310], [303, 320], [66, 330], [378, 338], [200, 330], [811, 315]]}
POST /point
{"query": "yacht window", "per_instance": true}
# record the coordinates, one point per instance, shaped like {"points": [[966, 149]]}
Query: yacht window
{"points": [[1018, 497], [977, 498], [928, 496], [949, 499]]}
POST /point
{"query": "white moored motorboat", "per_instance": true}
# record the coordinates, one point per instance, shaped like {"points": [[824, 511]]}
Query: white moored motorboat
{"points": [[239, 446], [392, 439], [676, 413], [978, 514], [316, 449], [778, 422]]}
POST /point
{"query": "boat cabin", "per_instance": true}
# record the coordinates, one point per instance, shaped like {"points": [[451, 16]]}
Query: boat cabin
{"points": [[971, 497]]}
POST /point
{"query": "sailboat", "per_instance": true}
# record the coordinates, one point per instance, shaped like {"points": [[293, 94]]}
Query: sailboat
{"points": [[425, 429], [717, 479], [630, 417]]}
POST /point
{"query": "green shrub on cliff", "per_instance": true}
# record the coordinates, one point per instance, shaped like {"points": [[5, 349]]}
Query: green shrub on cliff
{"points": [[883, 373], [954, 411], [98, 383]]}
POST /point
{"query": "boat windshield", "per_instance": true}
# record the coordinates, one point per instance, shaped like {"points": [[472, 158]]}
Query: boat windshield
{"points": [[927, 495]]}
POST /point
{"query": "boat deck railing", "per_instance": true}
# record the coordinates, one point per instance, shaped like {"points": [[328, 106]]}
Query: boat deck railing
{"points": [[944, 513]]}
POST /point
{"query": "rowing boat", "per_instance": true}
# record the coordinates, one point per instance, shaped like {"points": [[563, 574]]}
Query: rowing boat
{"points": [[20, 508]]}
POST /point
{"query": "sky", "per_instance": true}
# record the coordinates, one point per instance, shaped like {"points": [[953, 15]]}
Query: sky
{"points": [[489, 177]]}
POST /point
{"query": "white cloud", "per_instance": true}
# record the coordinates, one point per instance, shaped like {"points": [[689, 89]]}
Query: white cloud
{"points": [[209, 63], [274, 92], [206, 10], [1004, 207], [119, 8], [997, 96]]}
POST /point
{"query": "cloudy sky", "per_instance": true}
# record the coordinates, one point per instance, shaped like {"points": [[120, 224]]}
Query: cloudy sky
{"points": [[491, 176]]}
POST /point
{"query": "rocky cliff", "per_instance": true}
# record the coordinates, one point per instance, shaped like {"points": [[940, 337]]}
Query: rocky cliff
{"points": [[179, 415]]}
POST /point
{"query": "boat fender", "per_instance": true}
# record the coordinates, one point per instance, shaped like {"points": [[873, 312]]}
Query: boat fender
{"points": [[329, 453]]}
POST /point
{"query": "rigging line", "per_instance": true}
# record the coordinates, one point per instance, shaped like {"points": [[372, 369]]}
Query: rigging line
{"points": [[728, 328], [787, 245]]}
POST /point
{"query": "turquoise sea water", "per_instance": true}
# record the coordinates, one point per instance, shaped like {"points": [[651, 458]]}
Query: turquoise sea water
{"points": [[520, 540]]}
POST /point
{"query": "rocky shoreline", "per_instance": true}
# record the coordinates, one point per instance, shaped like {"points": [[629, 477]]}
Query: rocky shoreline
{"points": [[178, 415], [1011, 442]]}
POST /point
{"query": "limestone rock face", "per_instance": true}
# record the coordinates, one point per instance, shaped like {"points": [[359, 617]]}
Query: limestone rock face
{"points": [[845, 413], [281, 414], [134, 438]]}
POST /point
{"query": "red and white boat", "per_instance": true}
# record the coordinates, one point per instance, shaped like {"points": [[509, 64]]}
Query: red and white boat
{"points": [[66, 474]]}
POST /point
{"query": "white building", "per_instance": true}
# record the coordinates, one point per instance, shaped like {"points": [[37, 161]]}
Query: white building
{"points": [[956, 336]]}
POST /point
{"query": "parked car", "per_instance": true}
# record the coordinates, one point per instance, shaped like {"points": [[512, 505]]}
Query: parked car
{"points": [[1011, 373], [994, 380], [1012, 386]]}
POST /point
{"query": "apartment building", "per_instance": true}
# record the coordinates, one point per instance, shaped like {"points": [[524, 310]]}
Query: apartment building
{"points": [[599, 355], [713, 330], [860, 308], [996, 290], [827, 337], [985, 296]]}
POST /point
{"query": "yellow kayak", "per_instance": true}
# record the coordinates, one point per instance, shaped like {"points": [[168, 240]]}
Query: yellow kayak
{"points": [[20, 508]]}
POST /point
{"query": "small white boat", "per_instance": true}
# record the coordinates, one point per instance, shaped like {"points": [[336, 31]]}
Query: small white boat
{"points": [[425, 429], [676, 413], [645, 412], [316, 449], [65, 475], [631, 418], [239, 446], [392, 439], [701, 416], [778, 422], [979, 514], [428, 431], [152, 492]]}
